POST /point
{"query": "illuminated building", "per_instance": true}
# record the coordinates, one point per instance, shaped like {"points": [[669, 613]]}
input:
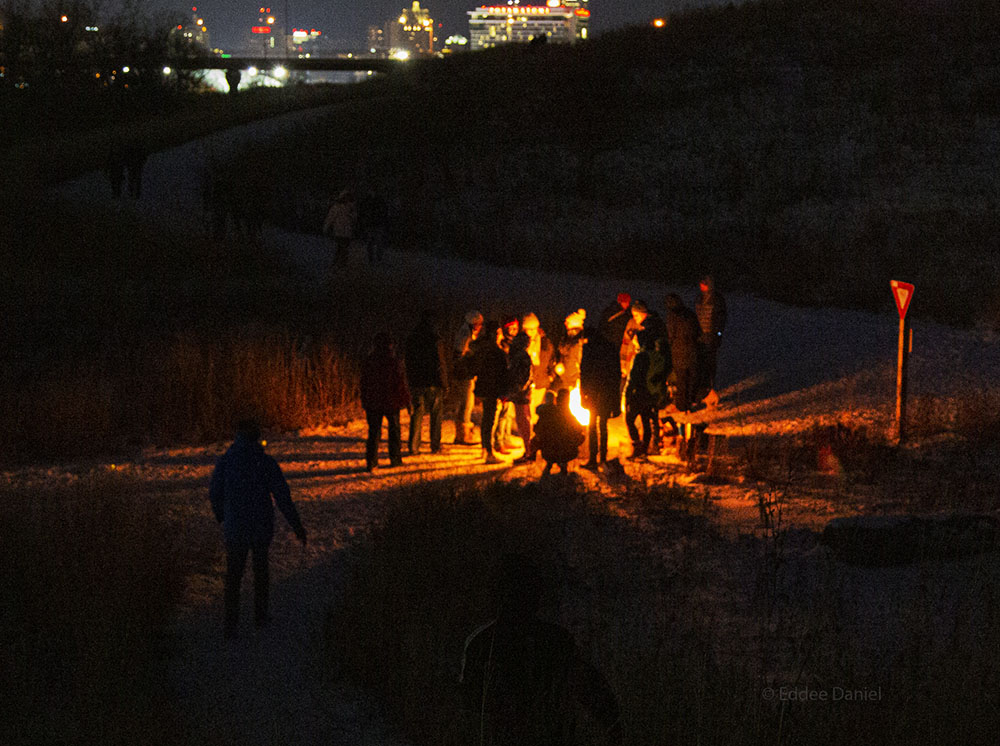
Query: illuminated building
{"points": [[264, 33], [302, 42], [194, 33], [561, 21], [412, 33], [378, 40]]}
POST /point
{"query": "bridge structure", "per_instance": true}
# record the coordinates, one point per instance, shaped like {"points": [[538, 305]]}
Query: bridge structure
{"points": [[218, 62]]}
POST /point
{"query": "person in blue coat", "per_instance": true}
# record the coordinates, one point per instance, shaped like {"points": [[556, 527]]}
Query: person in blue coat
{"points": [[245, 485]]}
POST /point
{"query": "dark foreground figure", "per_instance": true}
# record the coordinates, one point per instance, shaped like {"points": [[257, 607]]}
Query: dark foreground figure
{"points": [[524, 681], [244, 482]]}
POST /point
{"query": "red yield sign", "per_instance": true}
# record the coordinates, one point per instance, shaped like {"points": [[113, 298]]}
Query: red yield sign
{"points": [[903, 293]]}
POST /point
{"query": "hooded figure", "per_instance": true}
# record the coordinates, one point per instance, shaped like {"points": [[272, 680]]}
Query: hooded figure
{"points": [[523, 680], [243, 485]]}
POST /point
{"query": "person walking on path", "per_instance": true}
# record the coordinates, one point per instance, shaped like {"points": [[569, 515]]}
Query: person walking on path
{"points": [[243, 484], [383, 394], [427, 376], [683, 332], [463, 377], [600, 392], [712, 316], [340, 224]]}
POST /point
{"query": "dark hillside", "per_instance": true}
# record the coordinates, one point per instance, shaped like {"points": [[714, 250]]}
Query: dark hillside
{"points": [[803, 150]]}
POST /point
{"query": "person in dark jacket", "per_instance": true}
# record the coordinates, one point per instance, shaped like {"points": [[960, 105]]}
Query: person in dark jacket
{"points": [[569, 351], [492, 382], [557, 434], [506, 415], [426, 360], [683, 332], [383, 394], [600, 392], [712, 316], [646, 393], [519, 367], [524, 681], [243, 484]]}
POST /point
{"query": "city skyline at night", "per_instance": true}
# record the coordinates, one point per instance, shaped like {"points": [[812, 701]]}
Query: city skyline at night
{"points": [[346, 23]]}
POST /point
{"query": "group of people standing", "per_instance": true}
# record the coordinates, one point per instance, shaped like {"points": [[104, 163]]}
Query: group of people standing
{"points": [[631, 358]]}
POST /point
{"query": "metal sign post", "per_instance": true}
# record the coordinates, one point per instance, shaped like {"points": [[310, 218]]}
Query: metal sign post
{"points": [[902, 292]]}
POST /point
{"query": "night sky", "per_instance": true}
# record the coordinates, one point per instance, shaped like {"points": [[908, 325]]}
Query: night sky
{"points": [[346, 21]]}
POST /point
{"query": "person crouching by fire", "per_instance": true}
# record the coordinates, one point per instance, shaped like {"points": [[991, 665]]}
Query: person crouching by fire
{"points": [[558, 435]]}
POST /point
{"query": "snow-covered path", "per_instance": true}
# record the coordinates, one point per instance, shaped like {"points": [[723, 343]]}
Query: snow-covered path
{"points": [[782, 370]]}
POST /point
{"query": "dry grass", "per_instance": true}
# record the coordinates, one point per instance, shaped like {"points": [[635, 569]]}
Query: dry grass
{"points": [[691, 629], [89, 573]]}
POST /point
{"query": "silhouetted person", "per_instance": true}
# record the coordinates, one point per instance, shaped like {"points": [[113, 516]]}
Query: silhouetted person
{"points": [[383, 394], [492, 382], [427, 375], [712, 316], [340, 224], [600, 392], [233, 80], [558, 434], [523, 679], [683, 332], [135, 160], [646, 392], [243, 485], [373, 221], [125, 160]]}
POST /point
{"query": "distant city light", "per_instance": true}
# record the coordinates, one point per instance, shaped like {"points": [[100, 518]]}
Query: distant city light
{"points": [[251, 71], [92, 29], [167, 71], [279, 72], [659, 22], [64, 19], [401, 54], [126, 68]]}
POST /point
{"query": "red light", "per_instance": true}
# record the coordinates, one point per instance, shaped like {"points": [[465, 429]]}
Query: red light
{"points": [[260, 29], [583, 12]]}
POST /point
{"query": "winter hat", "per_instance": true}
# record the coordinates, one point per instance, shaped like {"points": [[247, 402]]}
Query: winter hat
{"points": [[472, 318], [529, 320], [624, 300], [575, 320]]}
